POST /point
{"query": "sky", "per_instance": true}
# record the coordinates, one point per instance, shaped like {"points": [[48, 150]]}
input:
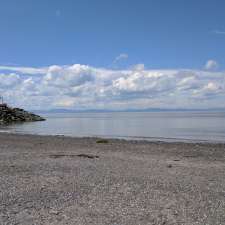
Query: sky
{"points": [[112, 54]]}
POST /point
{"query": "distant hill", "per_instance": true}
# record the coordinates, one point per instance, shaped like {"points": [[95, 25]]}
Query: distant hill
{"points": [[128, 110]]}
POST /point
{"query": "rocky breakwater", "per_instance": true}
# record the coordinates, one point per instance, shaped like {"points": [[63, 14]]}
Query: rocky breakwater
{"points": [[10, 115]]}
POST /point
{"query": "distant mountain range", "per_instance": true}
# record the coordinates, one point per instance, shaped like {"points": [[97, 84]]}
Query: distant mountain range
{"points": [[127, 110]]}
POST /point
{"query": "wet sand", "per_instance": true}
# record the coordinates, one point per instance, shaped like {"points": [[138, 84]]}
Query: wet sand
{"points": [[62, 180]]}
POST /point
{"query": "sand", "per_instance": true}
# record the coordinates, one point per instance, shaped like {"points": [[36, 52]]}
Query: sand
{"points": [[62, 180]]}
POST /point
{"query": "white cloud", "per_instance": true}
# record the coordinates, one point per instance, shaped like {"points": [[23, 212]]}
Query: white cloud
{"points": [[65, 102], [9, 80], [71, 76], [58, 12], [24, 70], [211, 65], [138, 67], [85, 87], [122, 56], [219, 32]]}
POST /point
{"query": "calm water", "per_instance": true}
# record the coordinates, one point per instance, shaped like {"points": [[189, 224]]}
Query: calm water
{"points": [[209, 126]]}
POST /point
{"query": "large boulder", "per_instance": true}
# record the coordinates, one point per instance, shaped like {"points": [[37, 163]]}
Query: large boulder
{"points": [[12, 115]]}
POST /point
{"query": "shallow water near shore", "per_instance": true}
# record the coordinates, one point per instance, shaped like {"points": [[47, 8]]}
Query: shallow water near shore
{"points": [[166, 126]]}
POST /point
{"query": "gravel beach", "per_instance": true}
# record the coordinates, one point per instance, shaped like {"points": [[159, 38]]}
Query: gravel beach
{"points": [[63, 180]]}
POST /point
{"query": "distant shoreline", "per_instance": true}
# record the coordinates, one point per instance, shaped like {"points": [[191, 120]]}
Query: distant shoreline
{"points": [[122, 138], [127, 110]]}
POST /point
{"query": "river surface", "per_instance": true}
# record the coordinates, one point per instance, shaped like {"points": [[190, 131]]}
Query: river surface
{"points": [[167, 126]]}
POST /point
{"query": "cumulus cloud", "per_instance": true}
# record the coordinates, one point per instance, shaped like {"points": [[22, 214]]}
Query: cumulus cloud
{"points": [[211, 65], [138, 67], [85, 87], [72, 76], [9, 80], [122, 56]]}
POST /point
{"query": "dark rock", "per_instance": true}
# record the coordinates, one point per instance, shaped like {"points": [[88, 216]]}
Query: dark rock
{"points": [[56, 156], [12, 115], [88, 156]]}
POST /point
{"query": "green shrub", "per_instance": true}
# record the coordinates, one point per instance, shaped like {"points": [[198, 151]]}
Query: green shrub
{"points": [[102, 141]]}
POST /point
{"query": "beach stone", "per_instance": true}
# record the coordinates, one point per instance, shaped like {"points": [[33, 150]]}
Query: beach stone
{"points": [[54, 212]]}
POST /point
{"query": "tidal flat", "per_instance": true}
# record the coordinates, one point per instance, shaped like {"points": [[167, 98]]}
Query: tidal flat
{"points": [[65, 180]]}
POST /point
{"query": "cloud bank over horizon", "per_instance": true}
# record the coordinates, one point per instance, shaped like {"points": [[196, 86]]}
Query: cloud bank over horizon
{"points": [[85, 87]]}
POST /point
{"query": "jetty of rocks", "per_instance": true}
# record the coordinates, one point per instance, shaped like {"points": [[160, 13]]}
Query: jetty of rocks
{"points": [[10, 115]]}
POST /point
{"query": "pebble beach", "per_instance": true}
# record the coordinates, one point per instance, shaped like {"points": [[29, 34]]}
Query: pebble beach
{"points": [[63, 180]]}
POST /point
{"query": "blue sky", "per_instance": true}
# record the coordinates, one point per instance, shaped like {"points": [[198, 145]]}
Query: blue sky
{"points": [[158, 33], [80, 41]]}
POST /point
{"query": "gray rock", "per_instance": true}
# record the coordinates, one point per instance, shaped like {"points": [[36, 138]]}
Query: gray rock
{"points": [[12, 115]]}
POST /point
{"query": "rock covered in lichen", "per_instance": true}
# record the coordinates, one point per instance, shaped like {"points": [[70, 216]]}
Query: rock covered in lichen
{"points": [[12, 115]]}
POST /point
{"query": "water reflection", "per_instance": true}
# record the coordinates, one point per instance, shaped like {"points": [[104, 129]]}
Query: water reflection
{"points": [[179, 125]]}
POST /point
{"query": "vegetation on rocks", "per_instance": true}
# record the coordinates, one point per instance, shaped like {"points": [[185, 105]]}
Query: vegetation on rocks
{"points": [[102, 141]]}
